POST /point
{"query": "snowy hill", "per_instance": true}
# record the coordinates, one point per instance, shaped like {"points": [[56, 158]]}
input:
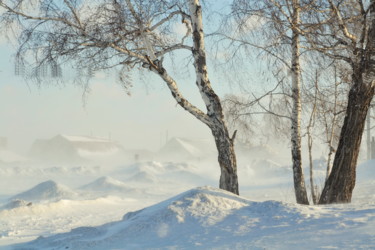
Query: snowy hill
{"points": [[206, 218], [48, 190]]}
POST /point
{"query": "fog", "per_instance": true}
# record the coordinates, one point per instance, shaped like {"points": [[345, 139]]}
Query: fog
{"points": [[143, 120]]}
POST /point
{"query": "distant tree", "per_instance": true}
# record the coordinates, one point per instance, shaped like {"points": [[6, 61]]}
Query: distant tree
{"points": [[96, 35], [310, 125], [331, 110], [325, 94]]}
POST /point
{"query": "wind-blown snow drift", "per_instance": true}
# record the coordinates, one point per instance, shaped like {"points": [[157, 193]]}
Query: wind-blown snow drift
{"points": [[48, 190], [204, 218], [107, 185]]}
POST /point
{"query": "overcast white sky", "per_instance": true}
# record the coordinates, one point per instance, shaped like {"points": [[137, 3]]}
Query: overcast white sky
{"points": [[142, 120]]}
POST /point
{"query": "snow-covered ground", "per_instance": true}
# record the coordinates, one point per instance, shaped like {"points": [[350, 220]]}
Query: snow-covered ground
{"points": [[129, 206]]}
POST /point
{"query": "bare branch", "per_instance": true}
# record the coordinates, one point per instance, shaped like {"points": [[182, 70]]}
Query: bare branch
{"points": [[342, 24]]}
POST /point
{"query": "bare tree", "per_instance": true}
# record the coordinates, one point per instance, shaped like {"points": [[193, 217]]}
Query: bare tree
{"points": [[138, 34], [332, 102], [347, 33], [340, 30], [314, 195], [299, 182]]}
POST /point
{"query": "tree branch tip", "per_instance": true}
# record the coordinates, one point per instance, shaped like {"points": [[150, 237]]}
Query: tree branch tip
{"points": [[233, 136]]}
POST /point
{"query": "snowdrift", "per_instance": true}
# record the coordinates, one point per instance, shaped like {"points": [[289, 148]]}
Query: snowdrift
{"points": [[48, 190], [205, 218], [107, 185], [161, 172], [183, 149]]}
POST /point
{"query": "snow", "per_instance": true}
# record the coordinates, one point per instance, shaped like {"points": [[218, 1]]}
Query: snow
{"points": [[8, 156], [129, 206], [108, 186], [75, 138], [208, 218], [184, 149], [48, 190]]}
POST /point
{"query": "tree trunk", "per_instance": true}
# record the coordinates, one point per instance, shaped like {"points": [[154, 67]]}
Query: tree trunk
{"points": [[340, 184], [226, 157], [298, 177]]}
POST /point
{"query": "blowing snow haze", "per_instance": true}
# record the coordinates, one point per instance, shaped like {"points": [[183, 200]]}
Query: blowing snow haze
{"points": [[142, 121]]}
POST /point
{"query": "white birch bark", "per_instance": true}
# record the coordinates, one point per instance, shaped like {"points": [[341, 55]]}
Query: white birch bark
{"points": [[224, 143], [298, 177]]}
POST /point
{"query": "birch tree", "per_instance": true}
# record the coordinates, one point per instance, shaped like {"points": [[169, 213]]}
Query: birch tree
{"points": [[299, 182], [280, 24], [132, 34]]}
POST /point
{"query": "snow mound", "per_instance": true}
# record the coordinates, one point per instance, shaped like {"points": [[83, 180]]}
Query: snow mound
{"points": [[107, 184], [207, 218], [168, 172], [177, 149], [48, 190]]}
